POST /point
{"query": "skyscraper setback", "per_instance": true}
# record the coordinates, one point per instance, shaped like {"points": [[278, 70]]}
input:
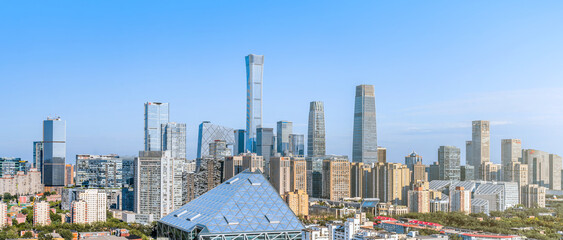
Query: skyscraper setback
{"points": [[364, 147], [156, 114], [254, 75], [316, 144], [54, 152]]}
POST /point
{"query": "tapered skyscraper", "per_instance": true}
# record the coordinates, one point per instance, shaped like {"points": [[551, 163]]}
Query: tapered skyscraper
{"points": [[156, 114], [254, 74], [316, 134], [54, 152], [364, 148]]}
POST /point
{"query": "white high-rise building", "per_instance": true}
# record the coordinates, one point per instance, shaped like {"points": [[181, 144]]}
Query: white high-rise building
{"points": [[96, 205], [41, 213], [254, 76], [79, 212], [158, 183], [460, 200]]}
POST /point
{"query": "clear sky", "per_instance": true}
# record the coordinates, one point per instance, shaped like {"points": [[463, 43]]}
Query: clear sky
{"points": [[436, 66]]}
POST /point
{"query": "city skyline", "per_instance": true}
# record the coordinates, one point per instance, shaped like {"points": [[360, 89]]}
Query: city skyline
{"points": [[417, 119]]}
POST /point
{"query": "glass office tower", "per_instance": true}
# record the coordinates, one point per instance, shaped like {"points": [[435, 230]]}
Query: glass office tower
{"points": [[254, 75], [265, 145], [284, 129], [156, 114], [448, 160], [364, 148], [316, 145], [297, 144], [37, 154], [240, 139], [54, 152], [174, 139]]}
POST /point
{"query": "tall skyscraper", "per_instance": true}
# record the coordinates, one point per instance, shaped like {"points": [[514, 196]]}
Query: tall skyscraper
{"points": [[448, 160], [284, 130], [511, 152], [54, 152], [364, 147], [240, 140], [265, 145], [297, 144], [207, 134], [480, 145], [156, 114], [174, 139], [254, 77], [316, 144]]}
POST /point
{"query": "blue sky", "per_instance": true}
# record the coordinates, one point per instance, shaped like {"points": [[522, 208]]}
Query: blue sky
{"points": [[436, 66]]}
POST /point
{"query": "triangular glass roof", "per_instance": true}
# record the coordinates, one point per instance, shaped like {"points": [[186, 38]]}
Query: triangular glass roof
{"points": [[245, 203]]}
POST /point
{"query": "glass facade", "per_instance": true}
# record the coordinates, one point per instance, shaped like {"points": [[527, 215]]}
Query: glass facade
{"points": [[54, 152], [448, 161], [37, 154], [297, 144], [364, 147], [174, 139], [156, 114], [315, 176], [207, 134], [316, 144], [11, 166], [240, 139], [265, 145], [412, 159], [254, 75], [103, 171], [244, 207], [284, 130]]}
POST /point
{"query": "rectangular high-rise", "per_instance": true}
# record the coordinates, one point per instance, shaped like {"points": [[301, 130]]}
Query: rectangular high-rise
{"points": [[254, 77], [156, 114], [103, 171], [448, 160], [316, 143], [297, 144], [280, 174], [54, 152], [364, 147], [265, 145], [511, 152], [38, 155], [240, 142], [284, 130], [174, 139], [337, 184], [480, 144]]}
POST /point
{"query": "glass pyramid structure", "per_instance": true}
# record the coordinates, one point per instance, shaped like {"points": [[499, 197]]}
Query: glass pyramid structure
{"points": [[244, 207]]}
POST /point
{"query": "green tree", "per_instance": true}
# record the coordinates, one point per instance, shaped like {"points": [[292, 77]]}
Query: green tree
{"points": [[65, 233], [27, 235]]}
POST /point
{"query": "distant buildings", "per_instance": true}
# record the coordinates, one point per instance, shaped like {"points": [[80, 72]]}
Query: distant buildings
{"points": [[298, 201], [54, 152], [284, 131], [254, 84], [460, 200], [544, 169], [419, 200], [90, 207], [79, 212], [298, 174], [69, 175], [265, 145], [156, 114], [280, 175], [364, 147], [10, 166], [237, 164], [174, 139], [297, 145], [207, 134], [480, 146], [108, 171], [22, 183], [511, 152], [412, 159], [532, 196], [219, 149], [490, 171], [316, 143], [41, 211], [240, 140], [448, 160], [336, 178]]}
